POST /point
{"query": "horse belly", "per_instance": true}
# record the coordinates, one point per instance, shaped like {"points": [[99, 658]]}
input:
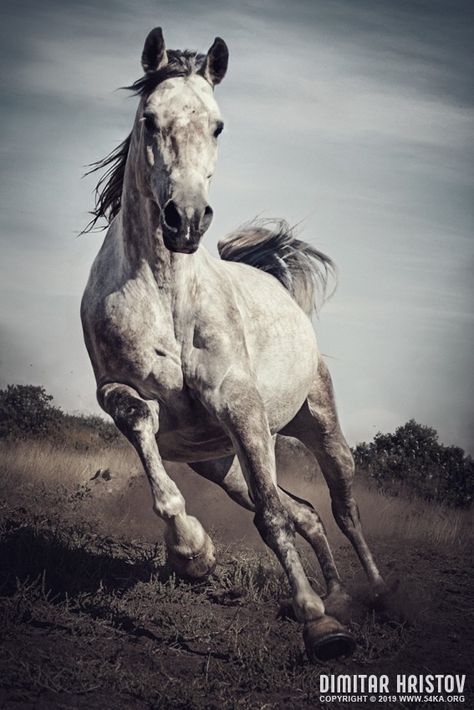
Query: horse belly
{"points": [[198, 445], [187, 432]]}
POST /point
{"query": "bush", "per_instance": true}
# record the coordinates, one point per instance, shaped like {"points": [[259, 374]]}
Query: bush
{"points": [[412, 458], [26, 410]]}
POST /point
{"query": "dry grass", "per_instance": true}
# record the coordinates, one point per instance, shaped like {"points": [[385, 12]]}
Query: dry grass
{"points": [[126, 501], [91, 617], [413, 520], [48, 463]]}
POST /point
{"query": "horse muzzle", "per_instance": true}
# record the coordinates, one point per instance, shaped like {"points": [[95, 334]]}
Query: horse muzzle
{"points": [[183, 229]]}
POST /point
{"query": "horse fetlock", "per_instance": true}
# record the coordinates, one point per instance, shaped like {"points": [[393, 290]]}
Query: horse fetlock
{"points": [[338, 604], [190, 565], [308, 606], [185, 536]]}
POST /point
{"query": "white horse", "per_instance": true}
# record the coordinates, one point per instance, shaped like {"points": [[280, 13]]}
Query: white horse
{"points": [[205, 360]]}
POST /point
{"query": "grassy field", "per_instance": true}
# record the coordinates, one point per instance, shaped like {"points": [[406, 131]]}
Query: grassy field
{"points": [[91, 617]]}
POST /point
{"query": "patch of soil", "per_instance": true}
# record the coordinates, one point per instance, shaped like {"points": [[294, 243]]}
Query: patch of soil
{"points": [[90, 621]]}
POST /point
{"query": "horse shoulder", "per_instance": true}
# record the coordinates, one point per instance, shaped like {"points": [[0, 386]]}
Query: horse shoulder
{"points": [[128, 329]]}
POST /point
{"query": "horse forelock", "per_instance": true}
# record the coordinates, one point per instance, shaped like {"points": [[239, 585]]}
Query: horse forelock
{"points": [[108, 191], [180, 63]]}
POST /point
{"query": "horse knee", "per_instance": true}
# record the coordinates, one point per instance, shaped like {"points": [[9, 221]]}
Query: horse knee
{"points": [[131, 414]]}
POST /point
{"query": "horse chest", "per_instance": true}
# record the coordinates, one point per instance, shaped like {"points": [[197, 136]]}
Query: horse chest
{"points": [[138, 342]]}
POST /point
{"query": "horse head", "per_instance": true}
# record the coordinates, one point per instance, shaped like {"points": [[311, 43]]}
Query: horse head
{"points": [[177, 127]]}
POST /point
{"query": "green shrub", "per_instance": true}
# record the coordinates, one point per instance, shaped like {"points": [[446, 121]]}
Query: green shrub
{"points": [[26, 410], [413, 459]]}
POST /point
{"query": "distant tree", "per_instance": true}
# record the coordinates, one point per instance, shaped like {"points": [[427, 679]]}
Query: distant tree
{"points": [[412, 458], [26, 410]]}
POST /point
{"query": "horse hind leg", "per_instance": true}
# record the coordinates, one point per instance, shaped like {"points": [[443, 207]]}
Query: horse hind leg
{"points": [[190, 549], [238, 406], [324, 636], [316, 425], [228, 475], [309, 525]]}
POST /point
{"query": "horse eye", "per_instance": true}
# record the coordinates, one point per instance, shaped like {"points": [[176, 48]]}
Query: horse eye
{"points": [[150, 123], [219, 129]]}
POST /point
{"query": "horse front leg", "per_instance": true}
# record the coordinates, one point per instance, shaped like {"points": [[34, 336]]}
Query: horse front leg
{"points": [[238, 406], [190, 549]]}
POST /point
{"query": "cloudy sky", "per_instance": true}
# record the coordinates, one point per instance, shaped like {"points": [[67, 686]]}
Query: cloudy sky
{"points": [[352, 117]]}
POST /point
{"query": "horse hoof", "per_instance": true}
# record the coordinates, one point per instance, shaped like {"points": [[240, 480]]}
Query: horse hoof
{"points": [[195, 567], [326, 639]]}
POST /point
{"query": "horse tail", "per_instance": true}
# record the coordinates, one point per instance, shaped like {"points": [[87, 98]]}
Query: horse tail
{"points": [[270, 245]]}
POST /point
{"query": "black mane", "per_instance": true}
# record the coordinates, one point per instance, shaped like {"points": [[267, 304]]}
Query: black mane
{"points": [[108, 191], [180, 63]]}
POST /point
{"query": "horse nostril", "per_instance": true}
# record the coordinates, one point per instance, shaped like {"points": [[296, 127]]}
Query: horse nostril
{"points": [[208, 212], [172, 216]]}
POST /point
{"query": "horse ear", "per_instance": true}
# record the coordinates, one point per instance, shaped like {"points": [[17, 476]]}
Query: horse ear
{"points": [[154, 54], [215, 64]]}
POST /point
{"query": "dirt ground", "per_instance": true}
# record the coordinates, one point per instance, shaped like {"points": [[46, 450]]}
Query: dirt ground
{"points": [[91, 617]]}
